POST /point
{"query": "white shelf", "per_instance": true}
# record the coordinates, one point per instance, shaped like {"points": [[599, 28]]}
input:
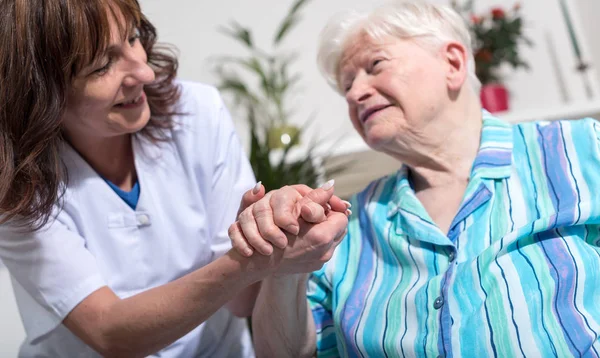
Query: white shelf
{"points": [[553, 112]]}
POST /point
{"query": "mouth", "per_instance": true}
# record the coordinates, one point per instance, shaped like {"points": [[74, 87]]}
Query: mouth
{"points": [[135, 102], [371, 110]]}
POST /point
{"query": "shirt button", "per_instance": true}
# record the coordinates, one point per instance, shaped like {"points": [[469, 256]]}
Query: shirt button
{"points": [[143, 220], [438, 303], [451, 256]]}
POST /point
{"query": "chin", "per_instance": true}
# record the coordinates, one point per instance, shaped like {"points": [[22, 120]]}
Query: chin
{"points": [[376, 139], [133, 125]]}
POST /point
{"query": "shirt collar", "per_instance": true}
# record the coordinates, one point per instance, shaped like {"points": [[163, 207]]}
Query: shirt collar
{"points": [[493, 161], [494, 158]]}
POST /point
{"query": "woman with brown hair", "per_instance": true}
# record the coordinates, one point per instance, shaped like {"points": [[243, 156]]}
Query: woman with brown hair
{"points": [[117, 186]]}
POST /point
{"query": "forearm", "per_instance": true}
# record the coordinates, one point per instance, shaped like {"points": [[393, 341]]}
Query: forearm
{"points": [[149, 321], [243, 303], [283, 325]]}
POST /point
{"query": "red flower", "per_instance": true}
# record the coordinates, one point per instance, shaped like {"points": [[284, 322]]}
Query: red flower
{"points": [[476, 19], [484, 55], [497, 13]]}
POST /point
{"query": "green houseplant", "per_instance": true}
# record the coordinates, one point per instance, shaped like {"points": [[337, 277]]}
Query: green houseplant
{"points": [[261, 84]]}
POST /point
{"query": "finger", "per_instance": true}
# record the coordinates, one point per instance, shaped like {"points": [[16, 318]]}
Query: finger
{"points": [[266, 226], [338, 204], [320, 195], [284, 204], [252, 196], [302, 189], [312, 212], [238, 241], [250, 231]]}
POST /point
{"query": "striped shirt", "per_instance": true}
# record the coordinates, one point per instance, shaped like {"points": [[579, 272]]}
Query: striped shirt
{"points": [[518, 273]]}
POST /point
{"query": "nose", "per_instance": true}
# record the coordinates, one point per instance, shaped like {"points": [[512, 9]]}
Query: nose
{"points": [[139, 72], [360, 91]]}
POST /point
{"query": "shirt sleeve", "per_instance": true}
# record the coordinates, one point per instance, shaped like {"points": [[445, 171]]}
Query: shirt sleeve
{"points": [[232, 176], [53, 267], [319, 294]]}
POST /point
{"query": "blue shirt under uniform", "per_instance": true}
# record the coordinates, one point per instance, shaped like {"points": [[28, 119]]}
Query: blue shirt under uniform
{"points": [[129, 197], [518, 273]]}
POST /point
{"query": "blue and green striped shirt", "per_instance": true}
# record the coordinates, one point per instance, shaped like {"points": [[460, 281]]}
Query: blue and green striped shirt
{"points": [[518, 273]]}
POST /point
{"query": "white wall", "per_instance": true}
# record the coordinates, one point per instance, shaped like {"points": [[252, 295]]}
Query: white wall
{"points": [[589, 11]]}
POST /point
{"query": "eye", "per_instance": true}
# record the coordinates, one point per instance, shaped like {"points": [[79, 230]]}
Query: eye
{"points": [[134, 36], [375, 63], [104, 69]]}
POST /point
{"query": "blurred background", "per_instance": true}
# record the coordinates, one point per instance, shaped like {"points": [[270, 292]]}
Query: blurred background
{"points": [[308, 119]]}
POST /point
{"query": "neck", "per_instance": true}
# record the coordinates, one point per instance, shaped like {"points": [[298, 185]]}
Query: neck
{"points": [[110, 157], [442, 153]]}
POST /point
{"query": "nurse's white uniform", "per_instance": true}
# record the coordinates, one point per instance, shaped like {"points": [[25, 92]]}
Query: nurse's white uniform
{"points": [[190, 187]]}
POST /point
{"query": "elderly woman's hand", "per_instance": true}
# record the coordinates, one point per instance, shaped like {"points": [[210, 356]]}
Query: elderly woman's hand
{"points": [[266, 220]]}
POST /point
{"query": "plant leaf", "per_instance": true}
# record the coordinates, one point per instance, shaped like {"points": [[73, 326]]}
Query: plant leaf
{"points": [[239, 33], [284, 28]]}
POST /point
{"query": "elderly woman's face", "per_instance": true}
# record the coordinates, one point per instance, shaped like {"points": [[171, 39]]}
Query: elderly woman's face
{"points": [[107, 98], [394, 88]]}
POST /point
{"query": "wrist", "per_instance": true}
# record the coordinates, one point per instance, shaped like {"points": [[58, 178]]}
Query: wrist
{"points": [[286, 281], [257, 266]]}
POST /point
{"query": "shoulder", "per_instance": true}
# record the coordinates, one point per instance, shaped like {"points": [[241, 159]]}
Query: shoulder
{"points": [[202, 113], [587, 127], [577, 138], [199, 99]]}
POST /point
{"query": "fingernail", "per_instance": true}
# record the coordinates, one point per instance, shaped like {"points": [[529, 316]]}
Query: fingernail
{"points": [[292, 229], [328, 206], [256, 188], [328, 185], [248, 251], [347, 203], [348, 212]]}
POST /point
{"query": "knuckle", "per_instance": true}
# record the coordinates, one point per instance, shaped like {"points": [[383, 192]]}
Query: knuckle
{"points": [[233, 230], [246, 215], [261, 210], [271, 232]]}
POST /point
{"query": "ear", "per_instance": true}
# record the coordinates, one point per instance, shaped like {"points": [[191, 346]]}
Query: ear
{"points": [[455, 55]]}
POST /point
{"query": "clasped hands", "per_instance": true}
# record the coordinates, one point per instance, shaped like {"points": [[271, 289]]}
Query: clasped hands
{"points": [[297, 228]]}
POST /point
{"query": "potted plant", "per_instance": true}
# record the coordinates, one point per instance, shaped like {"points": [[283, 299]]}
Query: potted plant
{"points": [[261, 84], [497, 36]]}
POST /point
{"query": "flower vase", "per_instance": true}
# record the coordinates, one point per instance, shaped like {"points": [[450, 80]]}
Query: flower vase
{"points": [[494, 97]]}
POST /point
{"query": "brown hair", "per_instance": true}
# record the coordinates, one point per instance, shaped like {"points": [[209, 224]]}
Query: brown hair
{"points": [[43, 46]]}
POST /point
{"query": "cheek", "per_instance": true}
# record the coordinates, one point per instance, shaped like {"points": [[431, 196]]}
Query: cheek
{"points": [[352, 113]]}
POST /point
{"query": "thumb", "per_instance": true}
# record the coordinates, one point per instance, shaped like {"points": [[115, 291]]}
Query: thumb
{"points": [[252, 196]]}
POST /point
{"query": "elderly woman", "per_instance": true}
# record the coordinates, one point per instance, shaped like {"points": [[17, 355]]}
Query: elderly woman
{"points": [[117, 187], [485, 243]]}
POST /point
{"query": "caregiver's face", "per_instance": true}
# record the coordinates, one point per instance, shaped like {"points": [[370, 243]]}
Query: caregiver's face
{"points": [[394, 87], [107, 98]]}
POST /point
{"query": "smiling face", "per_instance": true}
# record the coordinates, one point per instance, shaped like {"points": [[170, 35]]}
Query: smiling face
{"points": [[106, 98], [393, 88]]}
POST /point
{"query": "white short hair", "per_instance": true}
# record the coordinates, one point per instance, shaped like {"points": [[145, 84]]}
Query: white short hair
{"points": [[429, 24]]}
